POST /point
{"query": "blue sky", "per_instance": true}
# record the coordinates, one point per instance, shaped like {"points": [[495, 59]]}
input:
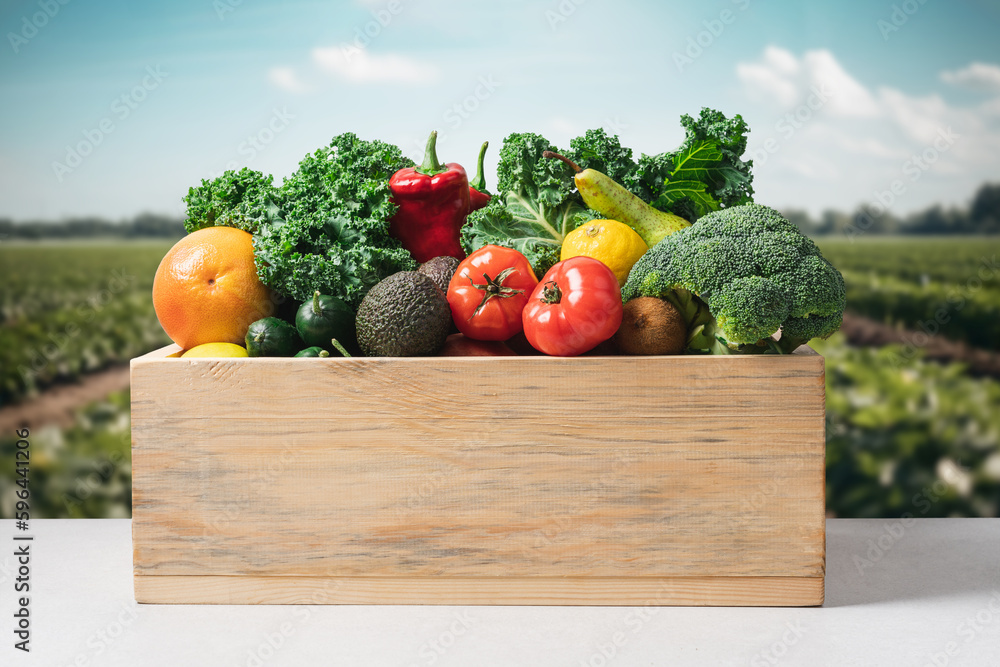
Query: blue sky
{"points": [[160, 95]]}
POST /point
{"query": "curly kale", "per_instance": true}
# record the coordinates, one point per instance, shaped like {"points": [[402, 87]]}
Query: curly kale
{"points": [[604, 153], [537, 203], [704, 174], [331, 232], [234, 199], [737, 276]]}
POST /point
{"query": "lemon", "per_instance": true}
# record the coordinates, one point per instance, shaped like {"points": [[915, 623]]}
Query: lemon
{"points": [[216, 350], [609, 241]]}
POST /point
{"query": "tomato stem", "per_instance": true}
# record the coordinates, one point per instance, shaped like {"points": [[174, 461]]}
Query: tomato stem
{"points": [[551, 292], [494, 287]]}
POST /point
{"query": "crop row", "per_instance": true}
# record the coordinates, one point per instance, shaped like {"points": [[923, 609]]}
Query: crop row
{"points": [[83, 471], [903, 436], [908, 436], [66, 310], [943, 286], [957, 311], [951, 261]]}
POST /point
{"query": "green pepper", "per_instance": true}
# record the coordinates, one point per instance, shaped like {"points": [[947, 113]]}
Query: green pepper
{"points": [[314, 351], [271, 337], [324, 317]]}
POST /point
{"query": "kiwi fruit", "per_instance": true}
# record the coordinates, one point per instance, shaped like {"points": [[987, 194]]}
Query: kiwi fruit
{"points": [[651, 326]]}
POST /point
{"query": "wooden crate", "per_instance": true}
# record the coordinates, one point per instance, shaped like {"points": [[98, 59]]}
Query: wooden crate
{"points": [[479, 480]]}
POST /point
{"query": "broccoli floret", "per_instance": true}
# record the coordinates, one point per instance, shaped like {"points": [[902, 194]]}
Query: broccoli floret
{"points": [[235, 199], [739, 274]]}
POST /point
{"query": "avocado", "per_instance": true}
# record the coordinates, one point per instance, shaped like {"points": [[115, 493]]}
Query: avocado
{"points": [[440, 270], [404, 315]]}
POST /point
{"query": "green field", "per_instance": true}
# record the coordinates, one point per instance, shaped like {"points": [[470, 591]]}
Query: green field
{"points": [[70, 308], [938, 285], [903, 435], [84, 471]]}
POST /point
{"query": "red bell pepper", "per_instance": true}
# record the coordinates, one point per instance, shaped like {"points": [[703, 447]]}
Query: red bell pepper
{"points": [[433, 201], [478, 195]]}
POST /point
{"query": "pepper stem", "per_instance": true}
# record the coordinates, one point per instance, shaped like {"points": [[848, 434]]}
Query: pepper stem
{"points": [[479, 182], [551, 292], [340, 348], [431, 166], [573, 165]]}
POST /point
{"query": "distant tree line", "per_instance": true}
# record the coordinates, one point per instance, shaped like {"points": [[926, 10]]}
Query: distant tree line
{"points": [[981, 217], [146, 225]]}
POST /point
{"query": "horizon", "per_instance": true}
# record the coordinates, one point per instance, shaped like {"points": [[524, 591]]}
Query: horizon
{"points": [[847, 105]]}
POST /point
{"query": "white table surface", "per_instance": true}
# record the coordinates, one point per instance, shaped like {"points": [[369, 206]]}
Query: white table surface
{"points": [[929, 595]]}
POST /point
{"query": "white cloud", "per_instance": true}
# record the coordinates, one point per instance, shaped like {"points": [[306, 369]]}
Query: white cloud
{"points": [[919, 117], [762, 84], [286, 79], [781, 60], [977, 76], [360, 66], [991, 107], [849, 98], [836, 143], [789, 81], [869, 146]]}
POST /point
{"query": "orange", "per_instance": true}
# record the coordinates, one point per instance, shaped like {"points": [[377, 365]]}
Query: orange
{"points": [[206, 288]]}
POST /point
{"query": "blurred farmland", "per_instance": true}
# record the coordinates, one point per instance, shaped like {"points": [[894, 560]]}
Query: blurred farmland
{"points": [[904, 433]]}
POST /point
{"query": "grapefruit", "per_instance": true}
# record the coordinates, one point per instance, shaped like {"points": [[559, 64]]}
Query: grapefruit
{"points": [[206, 289]]}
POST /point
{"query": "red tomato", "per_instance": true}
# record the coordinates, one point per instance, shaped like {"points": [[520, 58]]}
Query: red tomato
{"points": [[574, 308], [459, 345], [488, 293]]}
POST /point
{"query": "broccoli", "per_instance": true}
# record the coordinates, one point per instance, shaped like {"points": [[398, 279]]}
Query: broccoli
{"points": [[738, 275], [235, 199]]}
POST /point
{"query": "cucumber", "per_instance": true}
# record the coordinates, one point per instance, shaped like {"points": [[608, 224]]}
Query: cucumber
{"points": [[324, 317], [314, 351], [272, 337]]}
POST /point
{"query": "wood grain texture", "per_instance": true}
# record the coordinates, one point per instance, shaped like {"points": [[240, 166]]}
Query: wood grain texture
{"points": [[604, 591], [417, 471]]}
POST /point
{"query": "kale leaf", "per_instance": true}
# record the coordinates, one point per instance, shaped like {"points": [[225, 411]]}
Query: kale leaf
{"points": [[535, 207], [537, 203], [704, 174], [234, 199], [328, 228]]}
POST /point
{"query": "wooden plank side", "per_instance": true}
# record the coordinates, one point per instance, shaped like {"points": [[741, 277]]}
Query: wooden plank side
{"points": [[400, 469], [268, 499], [606, 591], [541, 388], [404, 431]]}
